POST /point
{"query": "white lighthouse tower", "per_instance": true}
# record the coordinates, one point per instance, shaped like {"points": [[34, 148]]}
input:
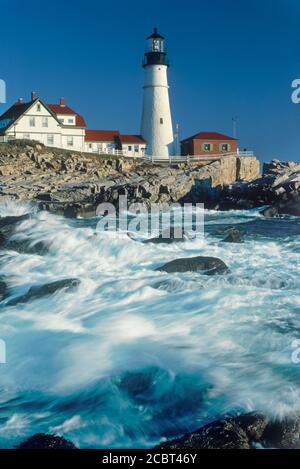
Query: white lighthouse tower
{"points": [[156, 126]]}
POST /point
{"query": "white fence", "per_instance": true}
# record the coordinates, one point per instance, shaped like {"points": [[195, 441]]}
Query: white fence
{"points": [[195, 158], [158, 159]]}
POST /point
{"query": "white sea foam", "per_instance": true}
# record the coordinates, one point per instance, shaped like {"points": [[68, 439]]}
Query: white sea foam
{"points": [[203, 345]]}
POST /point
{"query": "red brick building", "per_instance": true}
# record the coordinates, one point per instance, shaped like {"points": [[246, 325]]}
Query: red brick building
{"points": [[208, 143]]}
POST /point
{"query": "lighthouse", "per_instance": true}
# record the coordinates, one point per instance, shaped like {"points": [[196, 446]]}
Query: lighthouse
{"points": [[156, 125]]}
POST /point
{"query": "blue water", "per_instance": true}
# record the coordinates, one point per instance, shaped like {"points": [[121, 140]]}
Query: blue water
{"points": [[133, 356]]}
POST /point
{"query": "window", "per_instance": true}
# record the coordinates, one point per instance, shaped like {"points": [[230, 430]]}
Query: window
{"points": [[38, 107], [90, 145], [161, 120], [26, 136], [32, 121], [129, 147], [136, 148], [70, 121], [45, 122], [61, 121], [207, 147], [50, 139], [224, 147], [70, 141]]}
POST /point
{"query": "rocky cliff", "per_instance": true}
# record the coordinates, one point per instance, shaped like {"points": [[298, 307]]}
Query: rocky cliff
{"points": [[278, 188], [74, 183]]}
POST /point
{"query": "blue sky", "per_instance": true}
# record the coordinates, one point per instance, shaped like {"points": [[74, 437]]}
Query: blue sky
{"points": [[228, 58]]}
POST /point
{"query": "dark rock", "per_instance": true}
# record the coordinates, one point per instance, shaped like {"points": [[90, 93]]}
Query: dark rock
{"points": [[3, 289], [284, 207], [207, 265], [26, 246], [253, 424], [2, 239], [46, 441], [242, 432], [231, 433], [6, 221], [233, 235], [291, 207], [283, 434], [40, 291], [8, 226], [270, 212], [167, 237]]}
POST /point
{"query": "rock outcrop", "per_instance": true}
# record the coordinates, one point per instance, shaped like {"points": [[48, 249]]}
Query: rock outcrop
{"points": [[242, 432], [3, 289], [205, 265], [40, 291], [46, 441], [74, 184], [279, 188], [232, 235], [248, 168]]}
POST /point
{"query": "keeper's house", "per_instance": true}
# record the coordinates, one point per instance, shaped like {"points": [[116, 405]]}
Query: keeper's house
{"points": [[57, 125], [209, 144]]}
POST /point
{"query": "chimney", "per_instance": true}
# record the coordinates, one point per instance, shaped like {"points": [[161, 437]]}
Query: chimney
{"points": [[33, 95], [62, 102], [20, 101]]}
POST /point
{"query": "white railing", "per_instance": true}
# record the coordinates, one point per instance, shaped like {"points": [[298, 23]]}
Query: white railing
{"points": [[116, 152], [194, 158], [245, 153]]}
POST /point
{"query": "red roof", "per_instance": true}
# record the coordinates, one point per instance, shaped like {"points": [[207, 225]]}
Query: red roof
{"points": [[58, 109], [101, 135], [209, 136], [125, 138]]}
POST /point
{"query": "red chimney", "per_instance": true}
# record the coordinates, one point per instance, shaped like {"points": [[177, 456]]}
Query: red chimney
{"points": [[62, 102], [20, 101], [33, 95]]}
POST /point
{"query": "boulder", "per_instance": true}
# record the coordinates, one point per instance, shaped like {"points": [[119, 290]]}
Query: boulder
{"points": [[206, 265], [231, 433], [46, 441], [242, 432], [233, 235], [285, 207], [26, 246], [3, 289], [40, 291], [167, 237], [12, 220], [270, 212], [283, 434]]}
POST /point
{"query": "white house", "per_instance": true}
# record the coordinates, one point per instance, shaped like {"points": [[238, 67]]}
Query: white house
{"points": [[101, 141], [132, 145], [57, 125], [51, 124]]}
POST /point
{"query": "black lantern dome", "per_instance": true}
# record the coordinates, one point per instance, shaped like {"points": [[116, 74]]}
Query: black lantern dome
{"points": [[155, 52]]}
